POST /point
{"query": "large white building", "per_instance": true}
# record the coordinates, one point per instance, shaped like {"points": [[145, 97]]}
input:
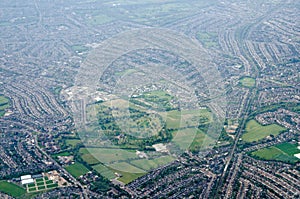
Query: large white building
{"points": [[27, 179]]}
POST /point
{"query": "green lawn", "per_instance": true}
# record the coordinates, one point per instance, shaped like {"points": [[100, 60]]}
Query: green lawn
{"points": [[72, 142], [192, 139], [288, 148], [4, 104], [40, 183], [77, 169], [62, 154], [148, 164], [49, 182], [39, 180], [52, 186], [129, 177], [175, 119], [32, 189], [247, 82], [104, 171], [201, 140], [184, 138], [256, 132], [126, 167], [106, 155], [11, 189], [131, 172], [40, 188], [281, 152], [31, 185]]}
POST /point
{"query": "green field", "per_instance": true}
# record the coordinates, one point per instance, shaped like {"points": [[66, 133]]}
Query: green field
{"points": [[149, 109], [41, 184], [192, 139], [32, 189], [247, 82], [52, 186], [128, 177], [104, 171], [106, 155], [33, 185], [4, 104], [49, 182], [40, 188], [77, 169], [159, 100], [148, 164], [62, 154], [39, 180], [72, 142], [256, 132], [175, 119], [109, 172], [201, 140], [281, 152], [11, 189]]}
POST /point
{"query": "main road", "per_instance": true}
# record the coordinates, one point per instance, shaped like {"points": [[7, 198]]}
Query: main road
{"points": [[63, 170]]}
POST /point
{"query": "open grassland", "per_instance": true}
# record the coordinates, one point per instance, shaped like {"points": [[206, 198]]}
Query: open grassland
{"points": [[106, 155], [256, 132], [77, 169], [104, 171], [66, 153], [201, 140], [11, 189], [182, 127], [128, 177], [4, 104], [126, 167], [247, 82], [148, 164], [72, 142], [281, 152], [185, 118], [192, 139]]}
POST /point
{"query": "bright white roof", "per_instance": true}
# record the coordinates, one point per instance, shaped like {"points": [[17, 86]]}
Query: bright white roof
{"points": [[25, 177], [297, 155], [27, 181]]}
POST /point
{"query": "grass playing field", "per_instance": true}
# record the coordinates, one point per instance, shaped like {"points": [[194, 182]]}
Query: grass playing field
{"points": [[281, 152], [62, 154], [4, 104], [256, 132], [126, 167], [192, 139], [148, 164], [11, 189], [72, 142], [247, 82], [104, 171], [106, 155], [77, 169]]}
